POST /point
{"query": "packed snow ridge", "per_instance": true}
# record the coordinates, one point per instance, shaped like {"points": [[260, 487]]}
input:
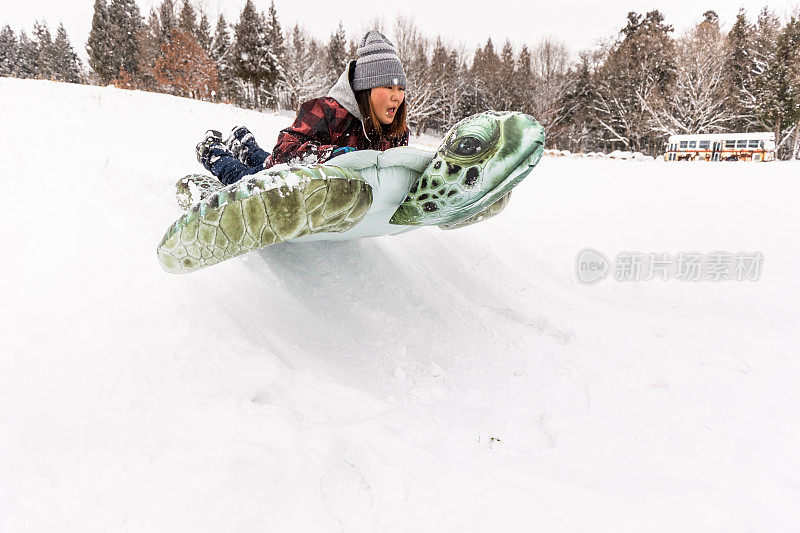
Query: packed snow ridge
{"points": [[459, 380]]}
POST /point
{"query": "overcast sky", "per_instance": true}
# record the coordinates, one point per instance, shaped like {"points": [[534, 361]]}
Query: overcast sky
{"points": [[578, 24]]}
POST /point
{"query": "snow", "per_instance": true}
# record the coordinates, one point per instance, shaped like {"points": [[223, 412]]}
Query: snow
{"points": [[435, 381]]}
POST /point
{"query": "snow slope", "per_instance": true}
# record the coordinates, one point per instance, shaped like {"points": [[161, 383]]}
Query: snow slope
{"points": [[434, 381]]}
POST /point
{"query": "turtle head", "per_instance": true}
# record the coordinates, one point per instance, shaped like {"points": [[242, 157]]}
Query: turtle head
{"points": [[480, 160]]}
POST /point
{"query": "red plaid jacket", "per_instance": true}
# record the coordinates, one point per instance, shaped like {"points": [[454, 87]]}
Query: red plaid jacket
{"points": [[323, 125]]}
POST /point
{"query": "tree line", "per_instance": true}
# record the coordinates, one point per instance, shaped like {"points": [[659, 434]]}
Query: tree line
{"points": [[629, 92]]}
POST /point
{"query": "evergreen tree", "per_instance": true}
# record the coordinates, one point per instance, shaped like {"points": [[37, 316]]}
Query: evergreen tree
{"points": [[149, 50], [739, 70], [766, 32], [455, 81], [67, 66], [44, 58], [352, 51], [187, 19], [167, 22], [507, 97], [8, 51], [523, 81], [222, 54], [778, 87], [276, 44], [438, 72], [484, 79], [99, 46], [26, 57], [337, 53], [579, 114], [471, 97], [126, 24], [204, 32], [253, 61]]}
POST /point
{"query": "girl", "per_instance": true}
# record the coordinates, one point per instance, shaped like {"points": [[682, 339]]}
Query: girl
{"points": [[365, 109]]}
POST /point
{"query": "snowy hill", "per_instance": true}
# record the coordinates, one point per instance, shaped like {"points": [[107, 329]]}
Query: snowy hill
{"points": [[434, 381]]}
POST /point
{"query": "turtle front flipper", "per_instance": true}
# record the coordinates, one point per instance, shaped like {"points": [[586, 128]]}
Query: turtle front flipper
{"points": [[193, 188], [263, 209]]}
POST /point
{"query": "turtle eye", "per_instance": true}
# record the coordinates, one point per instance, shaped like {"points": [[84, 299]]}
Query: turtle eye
{"points": [[467, 146]]}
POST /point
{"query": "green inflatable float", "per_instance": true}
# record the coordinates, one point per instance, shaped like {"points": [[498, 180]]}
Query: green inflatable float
{"points": [[359, 194]]}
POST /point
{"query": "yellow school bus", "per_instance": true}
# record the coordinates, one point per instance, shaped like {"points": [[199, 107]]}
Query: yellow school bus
{"points": [[759, 146]]}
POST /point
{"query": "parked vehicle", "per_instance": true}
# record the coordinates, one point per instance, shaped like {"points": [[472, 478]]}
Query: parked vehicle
{"points": [[759, 146]]}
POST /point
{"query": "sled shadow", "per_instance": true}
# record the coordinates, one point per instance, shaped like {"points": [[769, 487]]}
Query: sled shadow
{"points": [[334, 280]]}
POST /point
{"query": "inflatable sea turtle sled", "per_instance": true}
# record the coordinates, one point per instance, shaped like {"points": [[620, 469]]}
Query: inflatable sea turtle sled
{"points": [[359, 194]]}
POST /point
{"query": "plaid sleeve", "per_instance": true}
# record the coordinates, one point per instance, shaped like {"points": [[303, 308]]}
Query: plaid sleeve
{"points": [[312, 137]]}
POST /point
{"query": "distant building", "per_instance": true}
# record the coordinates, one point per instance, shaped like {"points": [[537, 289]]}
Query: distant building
{"points": [[758, 146]]}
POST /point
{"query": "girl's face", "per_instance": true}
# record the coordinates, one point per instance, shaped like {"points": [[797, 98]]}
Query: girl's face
{"points": [[385, 101]]}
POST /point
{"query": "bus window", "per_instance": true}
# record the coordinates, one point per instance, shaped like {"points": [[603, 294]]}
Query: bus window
{"points": [[730, 144], [753, 144], [692, 144], [684, 144], [761, 144], [741, 143], [704, 145]]}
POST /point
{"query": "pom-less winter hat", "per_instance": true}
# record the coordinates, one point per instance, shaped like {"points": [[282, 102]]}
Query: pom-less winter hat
{"points": [[377, 64]]}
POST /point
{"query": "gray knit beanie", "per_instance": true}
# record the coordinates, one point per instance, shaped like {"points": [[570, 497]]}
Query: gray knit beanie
{"points": [[377, 64]]}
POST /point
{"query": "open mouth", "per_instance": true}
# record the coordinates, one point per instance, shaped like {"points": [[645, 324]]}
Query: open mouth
{"points": [[390, 111]]}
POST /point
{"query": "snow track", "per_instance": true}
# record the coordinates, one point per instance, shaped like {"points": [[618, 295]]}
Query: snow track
{"points": [[433, 381]]}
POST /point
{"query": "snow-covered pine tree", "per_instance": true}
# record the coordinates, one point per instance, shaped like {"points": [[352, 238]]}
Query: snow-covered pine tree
{"points": [[522, 80], [45, 59], [765, 34], [336, 53], [187, 18], [149, 51], [438, 70], [253, 61], [739, 67], [277, 50], [778, 89], [470, 101], [508, 97], [126, 24], [26, 57], [486, 71], [167, 22], [100, 47], [8, 51], [203, 34], [454, 81], [67, 66], [580, 129], [230, 89]]}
